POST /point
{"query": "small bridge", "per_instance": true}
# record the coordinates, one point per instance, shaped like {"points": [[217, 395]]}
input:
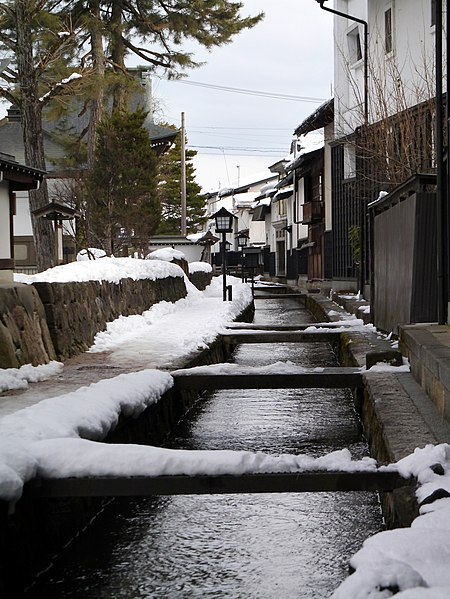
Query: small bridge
{"points": [[143, 486], [323, 378], [280, 336], [279, 296]]}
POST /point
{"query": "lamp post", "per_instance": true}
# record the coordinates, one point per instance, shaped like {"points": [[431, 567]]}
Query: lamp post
{"points": [[224, 224], [242, 241]]}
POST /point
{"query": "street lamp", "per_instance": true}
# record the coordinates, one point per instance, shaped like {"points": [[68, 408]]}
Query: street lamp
{"points": [[242, 240], [224, 225]]}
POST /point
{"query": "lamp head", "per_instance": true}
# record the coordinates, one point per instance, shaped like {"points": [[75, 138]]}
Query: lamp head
{"points": [[223, 221]]}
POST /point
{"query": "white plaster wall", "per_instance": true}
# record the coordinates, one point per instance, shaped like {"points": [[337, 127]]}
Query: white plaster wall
{"points": [[398, 80], [257, 232], [5, 237], [301, 231], [404, 77], [329, 136], [348, 78], [22, 219]]}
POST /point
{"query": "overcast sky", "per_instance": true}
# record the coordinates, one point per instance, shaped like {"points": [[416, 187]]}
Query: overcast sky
{"points": [[289, 53]]}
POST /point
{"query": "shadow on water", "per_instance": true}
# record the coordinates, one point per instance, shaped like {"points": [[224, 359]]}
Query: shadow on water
{"points": [[236, 546]]}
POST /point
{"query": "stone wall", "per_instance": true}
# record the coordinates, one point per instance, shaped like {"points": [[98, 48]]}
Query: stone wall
{"points": [[49, 321], [200, 279], [76, 312], [24, 334]]}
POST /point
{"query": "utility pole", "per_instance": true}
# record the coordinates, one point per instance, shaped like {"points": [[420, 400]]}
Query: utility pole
{"points": [[183, 177]]}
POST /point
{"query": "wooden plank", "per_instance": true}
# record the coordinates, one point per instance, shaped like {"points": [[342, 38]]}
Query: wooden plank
{"points": [[281, 337], [285, 327], [280, 296], [141, 486], [327, 378]]}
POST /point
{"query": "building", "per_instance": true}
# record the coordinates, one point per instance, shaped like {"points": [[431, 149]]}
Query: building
{"points": [[384, 117], [14, 178]]}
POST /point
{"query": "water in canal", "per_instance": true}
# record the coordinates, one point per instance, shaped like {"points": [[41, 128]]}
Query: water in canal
{"points": [[235, 546]]}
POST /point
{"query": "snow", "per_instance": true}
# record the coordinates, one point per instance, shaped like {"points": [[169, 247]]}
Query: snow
{"points": [[414, 559], [107, 269], [72, 77], [90, 254], [166, 254], [232, 369], [199, 267], [18, 378]]}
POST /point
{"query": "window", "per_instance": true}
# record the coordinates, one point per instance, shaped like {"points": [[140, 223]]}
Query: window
{"points": [[349, 162], [354, 45], [20, 251], [388, 31], [282, 207]]}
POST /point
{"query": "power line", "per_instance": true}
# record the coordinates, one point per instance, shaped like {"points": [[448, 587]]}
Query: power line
{"points": [[239, 148], [250, 92], [243, 128]]}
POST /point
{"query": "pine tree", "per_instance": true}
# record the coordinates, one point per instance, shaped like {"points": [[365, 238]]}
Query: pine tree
{"points": [[156, 30], [122, 206], [169, 192]]}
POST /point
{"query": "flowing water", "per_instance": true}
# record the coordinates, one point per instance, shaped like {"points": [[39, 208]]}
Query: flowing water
{"points": [[258, 546]]}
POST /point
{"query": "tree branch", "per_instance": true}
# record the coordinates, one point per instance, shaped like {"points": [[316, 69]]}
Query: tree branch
{"points": [[8, 95], [157, 60]]}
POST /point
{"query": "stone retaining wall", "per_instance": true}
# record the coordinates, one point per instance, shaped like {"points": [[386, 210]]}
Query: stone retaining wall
{"points": [[76, 312], [200, 279], [24, 334]]}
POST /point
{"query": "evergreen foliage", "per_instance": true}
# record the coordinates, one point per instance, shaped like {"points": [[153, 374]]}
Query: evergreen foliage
{"points": [[47, 42], [122, 207], [169, 193]]}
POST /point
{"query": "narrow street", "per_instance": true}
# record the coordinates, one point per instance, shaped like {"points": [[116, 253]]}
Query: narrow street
{"points": [[236, 546]]}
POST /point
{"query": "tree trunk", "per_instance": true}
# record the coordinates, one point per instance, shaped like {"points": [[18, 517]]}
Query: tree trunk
{"points": [[31, 112], [98, 58], [118, 56]]}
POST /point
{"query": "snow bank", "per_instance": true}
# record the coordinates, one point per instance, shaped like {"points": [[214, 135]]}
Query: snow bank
{"points": [[169, 331], [414, 560], [18, 378], [90, 412]]}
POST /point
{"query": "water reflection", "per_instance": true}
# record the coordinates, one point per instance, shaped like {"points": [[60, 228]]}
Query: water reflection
{"points": [[236, 546]]}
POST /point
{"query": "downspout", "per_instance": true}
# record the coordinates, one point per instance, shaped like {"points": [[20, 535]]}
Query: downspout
{"points": [[366, 51], [362, 215], [441, 196]]}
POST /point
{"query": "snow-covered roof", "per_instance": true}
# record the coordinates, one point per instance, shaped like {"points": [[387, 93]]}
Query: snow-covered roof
{"points": [[324, 115]]}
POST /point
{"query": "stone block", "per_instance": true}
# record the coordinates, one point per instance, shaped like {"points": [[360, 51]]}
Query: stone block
{"points": [[392, 357]]}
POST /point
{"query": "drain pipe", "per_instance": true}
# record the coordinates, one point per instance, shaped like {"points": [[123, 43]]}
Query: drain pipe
{"points": [[366, 51], [441, 196]]}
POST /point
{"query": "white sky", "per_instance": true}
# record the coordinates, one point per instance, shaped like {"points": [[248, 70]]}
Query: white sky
{"points": [[290, 52], [46, 438]]}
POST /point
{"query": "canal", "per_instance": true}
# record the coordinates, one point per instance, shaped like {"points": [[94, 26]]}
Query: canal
{"points": [[234, 546]]}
